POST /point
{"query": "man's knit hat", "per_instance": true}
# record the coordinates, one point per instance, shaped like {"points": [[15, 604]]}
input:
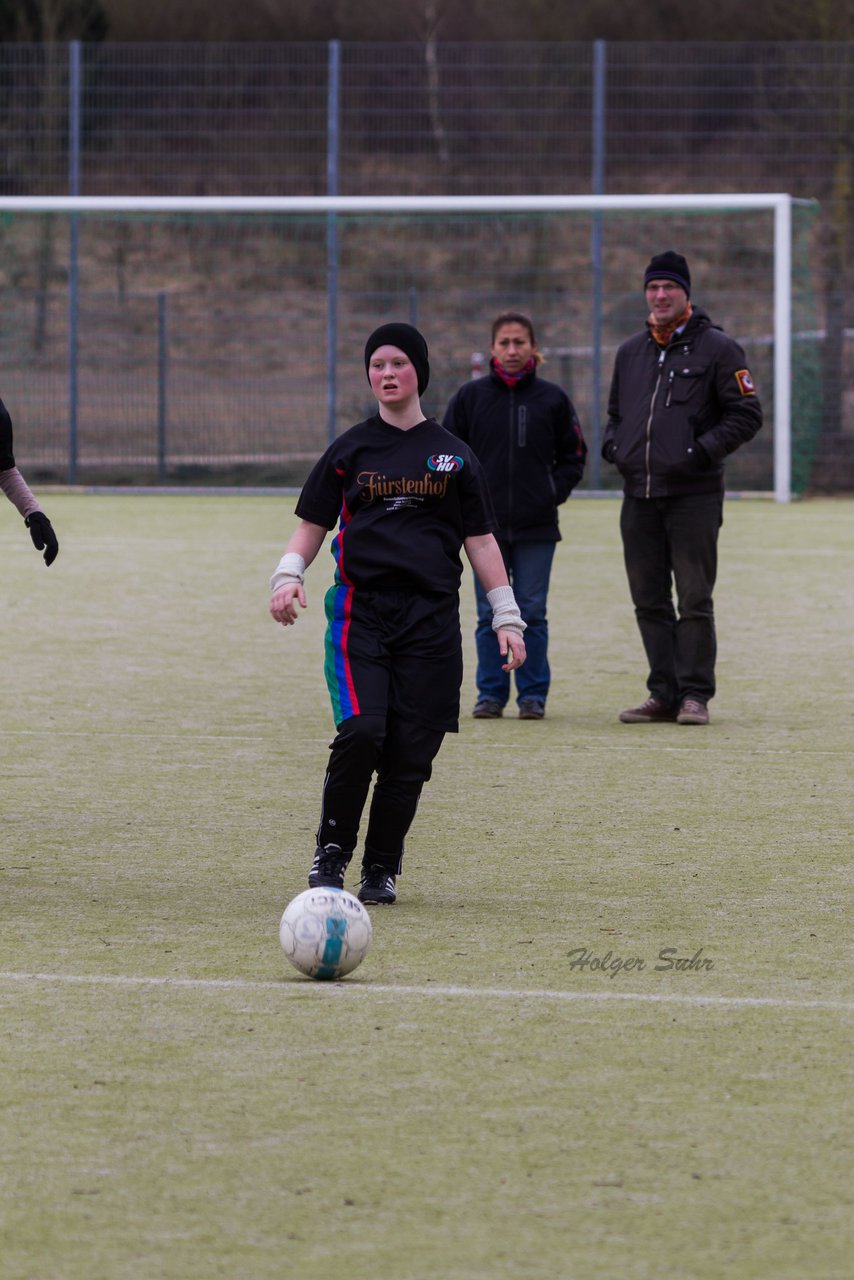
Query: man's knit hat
{"points": [[669, 266], [407, 338]]}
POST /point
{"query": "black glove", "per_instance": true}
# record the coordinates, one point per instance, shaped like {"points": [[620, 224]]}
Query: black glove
{"points": [[609, 451], [43, 536]]}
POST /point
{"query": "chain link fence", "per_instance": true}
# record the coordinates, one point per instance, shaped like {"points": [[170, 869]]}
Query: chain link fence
{"points": [[369, 119]]}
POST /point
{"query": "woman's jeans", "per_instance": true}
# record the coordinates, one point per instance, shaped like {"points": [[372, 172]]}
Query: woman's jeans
{"points": [[529, 566]]}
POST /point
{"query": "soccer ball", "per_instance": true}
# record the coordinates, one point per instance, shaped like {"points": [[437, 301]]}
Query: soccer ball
{"points": [[325, 933]]}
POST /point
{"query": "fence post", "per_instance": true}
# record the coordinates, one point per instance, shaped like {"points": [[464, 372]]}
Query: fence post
{"points": [[74, 77], [162, 363], [332, 154], [598, 176], [783, 349]]}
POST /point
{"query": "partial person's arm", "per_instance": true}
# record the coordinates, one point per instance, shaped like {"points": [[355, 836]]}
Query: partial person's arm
{"points": [[19, 494], [570, 451], [609, 442], [738, 405], [16, 489], [287, 582], [485, 559]]}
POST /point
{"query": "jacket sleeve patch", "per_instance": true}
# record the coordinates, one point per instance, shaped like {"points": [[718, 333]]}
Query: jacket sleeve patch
{"points": [[745, 382]]}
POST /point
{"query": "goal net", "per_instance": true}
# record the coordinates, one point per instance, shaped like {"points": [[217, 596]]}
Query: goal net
{"points": [[219, 340]]}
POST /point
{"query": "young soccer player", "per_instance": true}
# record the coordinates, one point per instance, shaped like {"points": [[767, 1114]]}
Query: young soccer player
{"points": [[407, 496]]}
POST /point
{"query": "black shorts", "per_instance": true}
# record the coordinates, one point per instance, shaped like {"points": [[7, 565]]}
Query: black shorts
{"points": [[393, 650]]}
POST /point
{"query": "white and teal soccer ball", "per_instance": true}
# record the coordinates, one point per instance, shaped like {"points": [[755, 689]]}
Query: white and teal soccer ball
{"points": [[325, 933]]}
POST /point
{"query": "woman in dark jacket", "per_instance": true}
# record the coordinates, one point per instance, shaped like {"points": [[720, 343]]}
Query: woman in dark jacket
{"points": [[526, 434]]}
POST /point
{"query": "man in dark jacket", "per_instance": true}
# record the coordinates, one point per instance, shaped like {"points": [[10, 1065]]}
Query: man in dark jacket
{"points": [[525, 432], [682, 399]]}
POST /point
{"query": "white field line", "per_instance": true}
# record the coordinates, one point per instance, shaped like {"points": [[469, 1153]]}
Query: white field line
{"points": [[592, 745], [293, 986]]}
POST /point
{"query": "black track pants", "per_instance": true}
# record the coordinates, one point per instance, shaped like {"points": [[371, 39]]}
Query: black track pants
{"points": [[400, 753]]}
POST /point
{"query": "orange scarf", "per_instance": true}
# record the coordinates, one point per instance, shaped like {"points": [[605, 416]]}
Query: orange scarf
{"points": [[664, 332]]}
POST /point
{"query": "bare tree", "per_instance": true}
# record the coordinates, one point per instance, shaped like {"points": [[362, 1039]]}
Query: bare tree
{"points": [[49, 23], [833, 181], [838, 23], [400, 20], [428, 19]]}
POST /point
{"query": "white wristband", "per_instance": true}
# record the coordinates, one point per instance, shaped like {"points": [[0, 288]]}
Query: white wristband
{"points": [[291, 568], [505, 610]]}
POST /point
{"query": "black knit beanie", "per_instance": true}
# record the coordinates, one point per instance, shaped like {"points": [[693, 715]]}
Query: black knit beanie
{"points": [[407, 339], [669, 266]]}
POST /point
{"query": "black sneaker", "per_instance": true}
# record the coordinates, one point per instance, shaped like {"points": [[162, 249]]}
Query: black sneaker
{"points": [[327, 870], [377, 885]]}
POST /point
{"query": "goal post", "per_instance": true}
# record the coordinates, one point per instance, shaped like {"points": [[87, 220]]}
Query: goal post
{"points": [[764, 257]]}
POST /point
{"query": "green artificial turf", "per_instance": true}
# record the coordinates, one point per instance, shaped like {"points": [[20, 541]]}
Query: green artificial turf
{"points": [[479, 1099]]}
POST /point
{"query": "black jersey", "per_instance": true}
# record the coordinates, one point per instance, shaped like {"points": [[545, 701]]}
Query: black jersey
{"points": [[7, 457], [404, 502]]}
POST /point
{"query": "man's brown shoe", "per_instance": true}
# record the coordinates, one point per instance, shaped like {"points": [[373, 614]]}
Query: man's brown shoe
{"points": [[692, 712], [486, 709], [531, 709], [649, 712]]}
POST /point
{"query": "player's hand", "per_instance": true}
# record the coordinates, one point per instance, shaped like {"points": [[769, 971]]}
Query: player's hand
{"points": [[43, 536], [511, 645], [282, 604]]}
